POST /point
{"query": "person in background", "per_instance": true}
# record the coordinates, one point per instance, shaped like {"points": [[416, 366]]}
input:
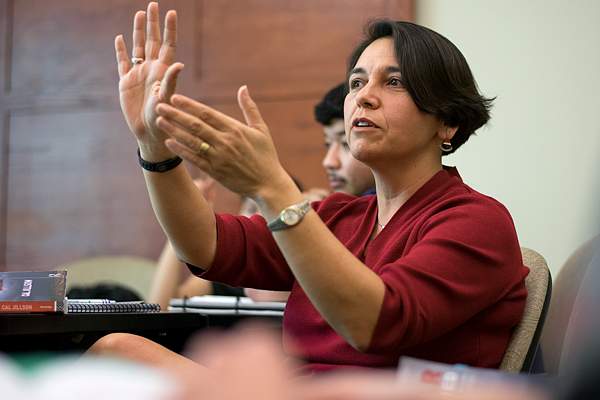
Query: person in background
{"points": [[345, 173]]}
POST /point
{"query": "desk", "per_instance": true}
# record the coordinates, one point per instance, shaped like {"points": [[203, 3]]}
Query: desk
{"points": [[77, 332]]}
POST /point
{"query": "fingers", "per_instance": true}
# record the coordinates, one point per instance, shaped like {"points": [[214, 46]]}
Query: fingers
{"points": [[189, 155], [153, 42], [249, 109], [205, 114], [167, 50], [194, 133], [169, 84], [139, 37], [122, 59]]}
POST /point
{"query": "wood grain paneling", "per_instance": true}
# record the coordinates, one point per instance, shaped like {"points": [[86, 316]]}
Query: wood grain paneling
{"points": [[70, 185], [68, 198], [282, 49]]}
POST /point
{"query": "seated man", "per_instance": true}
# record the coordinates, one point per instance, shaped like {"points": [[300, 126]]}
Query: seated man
{"points": [[346, 174]]}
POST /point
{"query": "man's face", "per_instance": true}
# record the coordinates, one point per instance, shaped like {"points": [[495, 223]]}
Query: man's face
{"points": [[346, 174]]}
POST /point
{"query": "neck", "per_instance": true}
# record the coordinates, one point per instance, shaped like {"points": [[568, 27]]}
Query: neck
{"points": [[393, 192]]}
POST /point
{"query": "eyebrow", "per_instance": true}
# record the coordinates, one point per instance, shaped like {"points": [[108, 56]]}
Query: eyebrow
{"points": [[360, 70]]}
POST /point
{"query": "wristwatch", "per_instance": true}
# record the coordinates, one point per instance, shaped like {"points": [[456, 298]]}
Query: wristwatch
{"points": [[289, 217]]}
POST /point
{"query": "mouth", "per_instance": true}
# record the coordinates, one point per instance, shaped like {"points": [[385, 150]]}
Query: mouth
{"points": [[336, 181], [363, 123]]}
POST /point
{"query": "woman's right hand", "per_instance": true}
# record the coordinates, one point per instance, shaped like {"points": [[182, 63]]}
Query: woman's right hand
{"points": [[144, 85]]}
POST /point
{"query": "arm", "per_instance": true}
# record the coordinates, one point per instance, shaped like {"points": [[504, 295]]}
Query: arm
{"points": [[243, 158], [266, 295], [166, 284], [166, 279]]}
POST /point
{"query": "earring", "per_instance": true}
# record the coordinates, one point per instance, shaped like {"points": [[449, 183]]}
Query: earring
{"points": [[447, 145]]}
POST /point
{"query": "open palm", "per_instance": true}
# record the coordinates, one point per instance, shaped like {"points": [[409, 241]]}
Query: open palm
{"points": [[153, 79]]}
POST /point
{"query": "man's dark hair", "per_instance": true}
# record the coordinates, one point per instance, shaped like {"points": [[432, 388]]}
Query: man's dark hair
{"points": [[435, 74], [332, 105]]}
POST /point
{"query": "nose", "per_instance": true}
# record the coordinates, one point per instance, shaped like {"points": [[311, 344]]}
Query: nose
{"points": [[367, 96], [332, 159]]}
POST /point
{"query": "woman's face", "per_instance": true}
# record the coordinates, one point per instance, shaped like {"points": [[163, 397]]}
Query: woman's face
{"points": [[381, 120]]}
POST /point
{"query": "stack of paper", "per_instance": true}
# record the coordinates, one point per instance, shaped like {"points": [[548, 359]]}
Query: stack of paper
{"points": [[227, 305]]}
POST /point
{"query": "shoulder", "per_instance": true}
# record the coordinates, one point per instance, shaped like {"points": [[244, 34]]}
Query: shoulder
{"points": [[450, 192], [448, 206]]}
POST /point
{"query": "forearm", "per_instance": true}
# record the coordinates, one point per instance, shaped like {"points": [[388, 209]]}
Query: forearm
{"points": [[345, 291], [166, 278], [185, 216]]}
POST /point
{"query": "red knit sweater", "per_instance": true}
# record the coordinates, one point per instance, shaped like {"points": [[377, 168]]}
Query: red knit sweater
{"points": [[450, 261]]}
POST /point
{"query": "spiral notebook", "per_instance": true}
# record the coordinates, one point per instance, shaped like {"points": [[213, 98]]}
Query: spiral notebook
{"points": [[114, 307]]}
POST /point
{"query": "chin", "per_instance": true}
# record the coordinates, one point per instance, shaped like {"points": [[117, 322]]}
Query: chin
{"points": [[344, 190]]}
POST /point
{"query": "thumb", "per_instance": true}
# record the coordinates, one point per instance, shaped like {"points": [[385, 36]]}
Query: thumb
{"points": [[250, 109], [169, 83]]}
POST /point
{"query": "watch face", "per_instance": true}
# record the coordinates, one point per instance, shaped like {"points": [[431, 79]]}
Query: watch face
{"points": [[290, 217]]}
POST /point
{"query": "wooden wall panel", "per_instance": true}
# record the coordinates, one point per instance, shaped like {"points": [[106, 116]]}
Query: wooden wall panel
{"points": [[70, 185], [68, 198], [280, 48], [65, 58], [5, 40]]}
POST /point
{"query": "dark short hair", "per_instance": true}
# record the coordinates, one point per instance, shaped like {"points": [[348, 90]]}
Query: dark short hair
{"points": [[435, 74], [332, 105]]}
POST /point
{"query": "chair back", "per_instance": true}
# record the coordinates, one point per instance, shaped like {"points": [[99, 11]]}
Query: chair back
{"points": [[134, 273], [572, 309], [525, 337]]}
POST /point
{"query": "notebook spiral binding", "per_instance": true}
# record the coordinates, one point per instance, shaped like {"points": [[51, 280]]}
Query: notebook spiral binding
{"points": [[122, 307]]}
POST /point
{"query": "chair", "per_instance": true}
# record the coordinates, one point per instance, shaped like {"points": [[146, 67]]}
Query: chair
{"points": [[134, 273], [525, 337], [573, 309]]}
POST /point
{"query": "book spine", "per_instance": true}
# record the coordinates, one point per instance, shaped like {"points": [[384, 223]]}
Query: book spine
{"points": [[33, 306]]}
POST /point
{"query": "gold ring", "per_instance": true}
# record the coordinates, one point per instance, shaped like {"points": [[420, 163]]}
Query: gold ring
{"points": [[203, 149], [137, 60]]}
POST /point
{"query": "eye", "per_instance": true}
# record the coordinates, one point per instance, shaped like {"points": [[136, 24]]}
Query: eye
{"points": [[355, 83], [328, 144], [395, 82], [345, 145]]}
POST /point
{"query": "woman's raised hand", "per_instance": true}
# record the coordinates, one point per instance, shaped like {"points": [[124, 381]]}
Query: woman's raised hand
{"points": [[152, 77], [242, 157]]}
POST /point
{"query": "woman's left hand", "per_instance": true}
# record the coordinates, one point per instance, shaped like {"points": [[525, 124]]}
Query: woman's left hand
{"points": [[242, 157]]}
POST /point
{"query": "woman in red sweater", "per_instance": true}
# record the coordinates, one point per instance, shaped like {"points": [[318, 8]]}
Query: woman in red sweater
{"points": [[427, 267]]}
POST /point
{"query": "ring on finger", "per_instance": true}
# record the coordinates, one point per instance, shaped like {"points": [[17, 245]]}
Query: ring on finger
{"points": [[203, 149], [137, 60]]}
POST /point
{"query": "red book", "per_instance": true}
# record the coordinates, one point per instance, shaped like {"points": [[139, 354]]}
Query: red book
{"points": [[33, 291]]}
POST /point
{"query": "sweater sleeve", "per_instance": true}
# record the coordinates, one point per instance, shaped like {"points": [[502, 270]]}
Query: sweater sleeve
{"points": [[247, 255]]}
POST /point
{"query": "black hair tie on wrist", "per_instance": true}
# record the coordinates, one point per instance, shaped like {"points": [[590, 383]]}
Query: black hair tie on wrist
{"points": [[162, 166]]}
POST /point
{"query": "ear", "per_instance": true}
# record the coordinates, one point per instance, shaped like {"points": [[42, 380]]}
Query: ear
{"points": [[447, 132]]}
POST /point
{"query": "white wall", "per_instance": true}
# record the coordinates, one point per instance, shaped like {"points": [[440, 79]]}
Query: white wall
{"points": [[541, 154]]}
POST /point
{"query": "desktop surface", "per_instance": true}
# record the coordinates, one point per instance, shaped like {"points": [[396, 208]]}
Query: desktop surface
{"points": [[77, 332]]}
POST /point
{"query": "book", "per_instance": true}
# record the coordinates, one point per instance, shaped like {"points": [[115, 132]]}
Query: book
{"points": [[113, 307], [33, 291], [227, 305]]}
